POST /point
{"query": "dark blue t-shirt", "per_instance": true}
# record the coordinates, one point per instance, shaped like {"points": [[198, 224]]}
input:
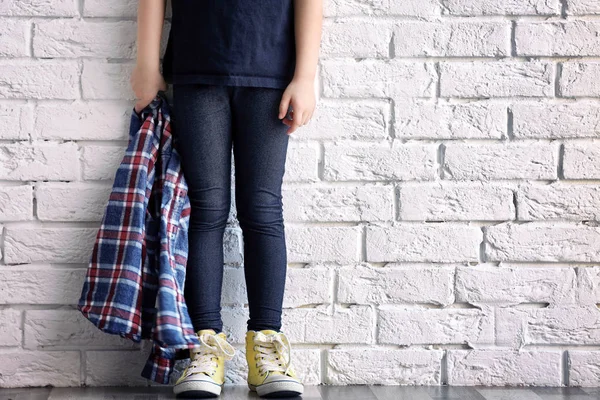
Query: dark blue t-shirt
{"points": [[231, 42]]}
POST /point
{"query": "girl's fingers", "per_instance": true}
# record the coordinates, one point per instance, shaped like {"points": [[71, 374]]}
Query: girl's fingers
{"points": [[288, 123], [298, 118], [306, 118], [309, 117], [292, 123], [284, 105]]}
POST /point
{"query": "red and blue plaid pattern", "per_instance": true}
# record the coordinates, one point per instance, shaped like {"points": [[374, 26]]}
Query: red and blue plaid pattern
{"points": [[135, 279]]}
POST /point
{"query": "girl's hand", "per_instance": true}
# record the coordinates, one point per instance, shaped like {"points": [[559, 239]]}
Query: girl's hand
{"points": [[300, 94], [146, 82]]}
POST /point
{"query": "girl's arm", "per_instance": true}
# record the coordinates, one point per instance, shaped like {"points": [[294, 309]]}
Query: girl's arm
{"points": [[300, 93], [146, 79], [308, 21]]}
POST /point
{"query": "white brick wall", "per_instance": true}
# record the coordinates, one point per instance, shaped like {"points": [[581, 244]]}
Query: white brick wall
{"points": [[441, 209]]}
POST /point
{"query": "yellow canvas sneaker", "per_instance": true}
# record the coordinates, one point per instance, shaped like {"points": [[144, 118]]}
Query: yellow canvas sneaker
{"points": [[270, 372], [205, 375]]}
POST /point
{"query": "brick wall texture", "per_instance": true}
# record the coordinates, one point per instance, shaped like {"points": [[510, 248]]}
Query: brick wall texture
{"points": [[442, 209]]}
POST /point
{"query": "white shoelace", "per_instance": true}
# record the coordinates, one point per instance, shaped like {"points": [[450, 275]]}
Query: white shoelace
{"points": [[274, 350], [204, 358]]}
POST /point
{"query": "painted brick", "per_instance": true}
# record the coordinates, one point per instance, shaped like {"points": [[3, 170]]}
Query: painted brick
{"points": [[20, 368], [354, 119], [25, 79], [447, 201], [55, 245], [356, 38], [43, 8], [485, 162], [377, 78], [408, 326], [496, 79], [115, 368], [334, 8], [558, 201], [16, 120], [17, 203], [71, 201], [10, 329], [514, 285], [14, 38], [101, 162], [306, 286], [23, 161], [451, 39], [580, 160], [588, 284], [501, 367], [374, 366], [583, 368], [580, 79], [321, 243], [319, 325], [302, 162], [340, 203], [41, 285], [110, 8], [417, 8], [538, 241], [109, 81], [379, 161], [66, 328], [396, 283], [573, 38], [447, 242], [509, 7], [115, 8], [418, 119], [564, 324], [89, 120], [556, 121], [582, 7], [71, 38]]}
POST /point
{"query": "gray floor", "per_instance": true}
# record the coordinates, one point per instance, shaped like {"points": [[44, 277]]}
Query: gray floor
{"points": [[318, 393]]}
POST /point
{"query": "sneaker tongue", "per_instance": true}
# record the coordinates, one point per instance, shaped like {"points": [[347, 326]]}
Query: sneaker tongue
{"points": [[268, 331], [201, 331]]}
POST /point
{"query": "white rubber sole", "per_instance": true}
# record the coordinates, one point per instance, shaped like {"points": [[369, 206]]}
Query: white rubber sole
{"points": [[280, 388], [197, 389]]}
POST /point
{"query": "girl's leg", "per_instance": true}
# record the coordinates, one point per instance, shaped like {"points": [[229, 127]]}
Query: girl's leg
{"points": [[260, 147], [202, 124]]}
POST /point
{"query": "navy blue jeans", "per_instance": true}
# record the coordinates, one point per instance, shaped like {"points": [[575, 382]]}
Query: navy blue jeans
{"points": [[211, 122]]}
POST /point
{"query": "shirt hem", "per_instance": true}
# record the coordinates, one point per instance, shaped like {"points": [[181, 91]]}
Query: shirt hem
{"points": [[252, 81]]}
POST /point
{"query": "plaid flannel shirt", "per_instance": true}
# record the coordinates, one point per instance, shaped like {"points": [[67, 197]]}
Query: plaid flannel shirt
{"points": [[135, 278]]}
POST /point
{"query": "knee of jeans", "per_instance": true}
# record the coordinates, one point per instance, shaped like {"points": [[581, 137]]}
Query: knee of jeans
{"points": [[209, 211], [265, 216]]}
